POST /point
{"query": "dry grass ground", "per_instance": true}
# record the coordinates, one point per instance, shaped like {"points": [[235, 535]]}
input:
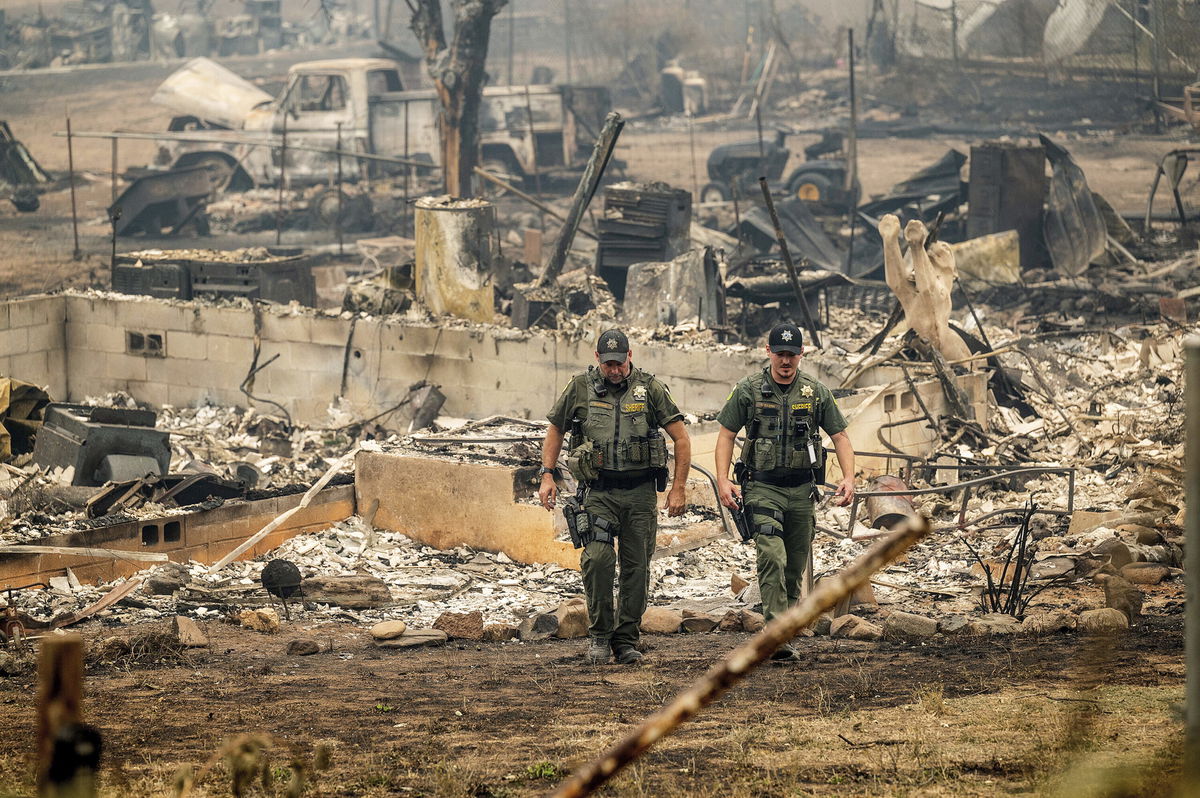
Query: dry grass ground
{"points": [[959, 716]]}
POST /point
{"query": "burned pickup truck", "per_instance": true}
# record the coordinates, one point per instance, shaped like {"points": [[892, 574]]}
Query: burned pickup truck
{"points": [[236, 129]]}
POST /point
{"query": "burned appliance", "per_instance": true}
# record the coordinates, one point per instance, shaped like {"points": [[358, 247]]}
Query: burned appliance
{"points": [[641, 223], [281, 276], [102, 444]]}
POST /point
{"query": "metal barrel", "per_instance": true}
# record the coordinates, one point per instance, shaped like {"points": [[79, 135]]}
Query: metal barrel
{"points": [[888, 511]]}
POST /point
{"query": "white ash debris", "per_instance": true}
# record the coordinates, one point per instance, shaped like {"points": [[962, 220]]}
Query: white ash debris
{"points": [[222, 437]]}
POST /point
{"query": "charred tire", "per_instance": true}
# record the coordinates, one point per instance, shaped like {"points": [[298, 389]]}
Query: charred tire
{"points": [[812, 187], [357, 211], [715, 192]]}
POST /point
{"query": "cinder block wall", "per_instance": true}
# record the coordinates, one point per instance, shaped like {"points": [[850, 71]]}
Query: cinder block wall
{"points": [[33, 342], [207, 351]]}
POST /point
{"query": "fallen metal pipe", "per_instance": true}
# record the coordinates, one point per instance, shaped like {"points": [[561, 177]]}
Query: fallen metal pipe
{"points": [[741, 661]]}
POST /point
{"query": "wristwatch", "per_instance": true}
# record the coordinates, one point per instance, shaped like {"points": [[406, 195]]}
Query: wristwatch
{"points": [[551, 471]]}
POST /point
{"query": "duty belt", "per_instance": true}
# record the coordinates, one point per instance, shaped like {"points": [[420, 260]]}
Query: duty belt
{"points": [[617, 480], [783, 481]]}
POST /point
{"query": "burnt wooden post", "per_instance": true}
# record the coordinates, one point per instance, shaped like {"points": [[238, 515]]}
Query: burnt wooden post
{"points": [[1191, 747], [588, 183], [68, 750]]}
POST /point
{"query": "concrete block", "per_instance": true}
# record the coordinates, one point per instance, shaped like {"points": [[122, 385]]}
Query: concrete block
{"points": [[90, 310], [411, 491], [153, 316], [5, 365], [152, 393], [187, 345], [231, 349], [56, 385], [46, 337], [331, 331], [33, 367], [30, 312], [4, 318], [324, 387], [14, 341], [420, 340], [226, 321], [127, 367], [294, 329], [319, 358], [188, 396], [282, 383]]}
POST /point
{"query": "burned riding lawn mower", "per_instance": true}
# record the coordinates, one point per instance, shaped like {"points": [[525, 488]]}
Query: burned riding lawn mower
{"points": [[820, 180]]}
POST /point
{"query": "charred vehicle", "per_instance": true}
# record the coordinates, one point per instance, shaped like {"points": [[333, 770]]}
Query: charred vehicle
{"points": [[238, 130], [820, 180]]}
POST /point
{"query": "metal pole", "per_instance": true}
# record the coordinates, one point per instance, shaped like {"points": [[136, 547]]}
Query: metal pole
{"points": [[692, 147], [77, 254], [407, 173], [954, 31], [114, 170], [341, 247], [567, 36], [511, 34], [1191, 748], [791, 268], [282, 179]]}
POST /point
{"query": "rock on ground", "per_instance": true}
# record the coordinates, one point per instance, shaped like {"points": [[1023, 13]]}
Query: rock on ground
{"points": [[1145, 573], [994, 623], [908, 626], [388, 630], [953, 624], [541, 626], [1046, 623], [498, 632], [661, 621], [731, 622], [303, 647], [188, 632], [752, 621], [415, 638], [699, 622], [572, 619], [263, 619], [461, 625], [351, 592], [1103, 621], [852, 627]]}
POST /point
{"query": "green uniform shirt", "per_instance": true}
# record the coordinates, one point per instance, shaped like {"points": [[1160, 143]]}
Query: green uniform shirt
{"points": [[573, 402], [739, 406]]}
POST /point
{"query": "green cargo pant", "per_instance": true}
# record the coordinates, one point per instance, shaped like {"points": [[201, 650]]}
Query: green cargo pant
{"points": [[635, 513], [781, 556]]}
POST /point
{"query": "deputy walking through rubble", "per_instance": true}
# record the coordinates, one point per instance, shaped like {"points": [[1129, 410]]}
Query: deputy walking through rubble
{"points": [[615, 414], [781, 466]]}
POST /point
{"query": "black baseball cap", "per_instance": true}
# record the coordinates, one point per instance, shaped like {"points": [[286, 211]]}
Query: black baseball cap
{"points": [[786, 337], [612, 346]]}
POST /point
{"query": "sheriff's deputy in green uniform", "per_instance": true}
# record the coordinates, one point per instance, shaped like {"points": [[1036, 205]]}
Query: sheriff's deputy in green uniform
{"points": [[615, 414], [781, 465]]}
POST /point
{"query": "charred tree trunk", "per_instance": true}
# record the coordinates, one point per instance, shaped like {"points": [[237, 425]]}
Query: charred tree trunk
{"points": [[457, 70]]}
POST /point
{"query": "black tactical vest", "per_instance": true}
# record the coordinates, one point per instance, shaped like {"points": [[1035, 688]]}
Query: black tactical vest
{"points": [[783, 434], [616, 434]]}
